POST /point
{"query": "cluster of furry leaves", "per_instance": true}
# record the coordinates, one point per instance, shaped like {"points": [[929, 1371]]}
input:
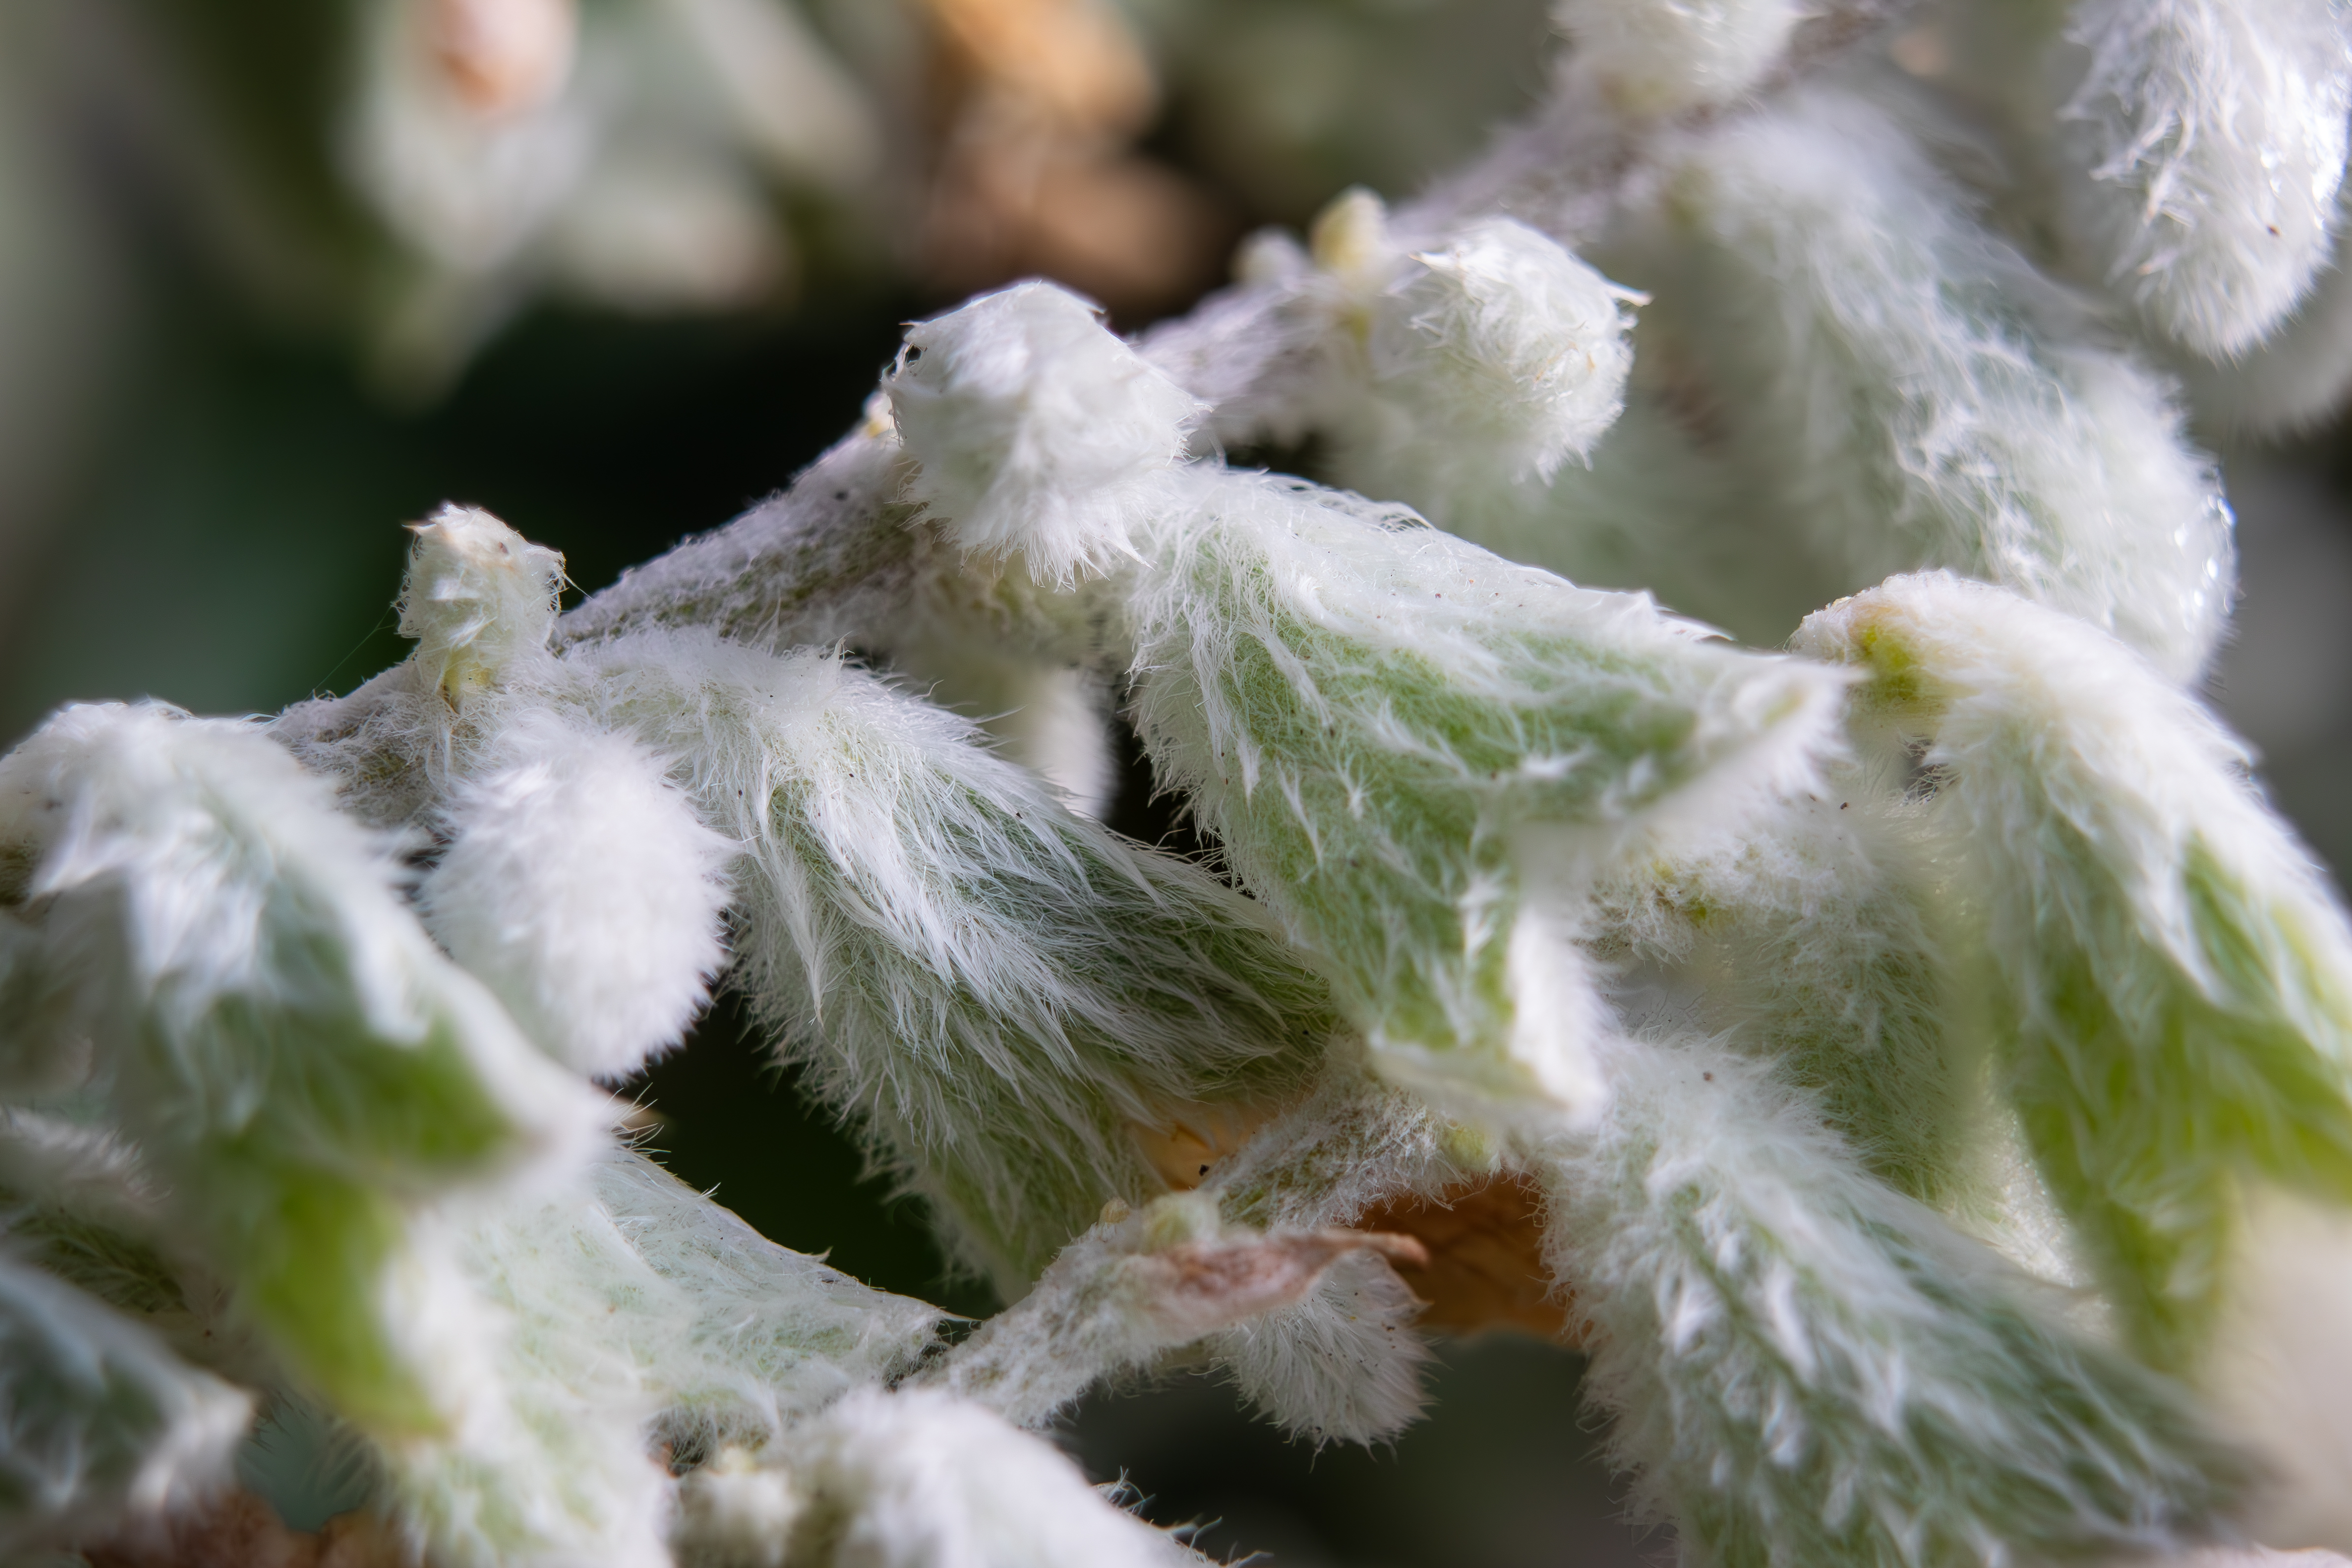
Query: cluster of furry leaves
{"points": [[1927, 1058]]}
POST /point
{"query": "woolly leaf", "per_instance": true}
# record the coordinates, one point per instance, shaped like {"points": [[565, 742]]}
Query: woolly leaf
{"points": [[1898, 390], [999, 987], [40, 1052], [107, 1430], [478, 600], [580, 886], [2201, 152], [301, 1068], [2294, 378], [1488, 356], [1809, 1369], [1663, 510], [1810, 940], [917, 1477], [1495, 348], [1662, 56], [1033, 429], [636, 1316], [1416, 752], [2172, 972]]}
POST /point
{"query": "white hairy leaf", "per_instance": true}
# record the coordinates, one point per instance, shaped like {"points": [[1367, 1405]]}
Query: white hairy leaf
{"points": [[108, 1430], [1805, 1367], [580, 887], [1418, 754], [1033, 429], [2201, 152], [997, 987], [302, 1069], [920, 1479], [1901, 390], [2172, 1003], [1662, 56]]}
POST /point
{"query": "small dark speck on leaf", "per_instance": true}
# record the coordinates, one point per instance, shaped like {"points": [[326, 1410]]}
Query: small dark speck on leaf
{"points": [[1843, 804], [1708, 1076], [2273, 227]]}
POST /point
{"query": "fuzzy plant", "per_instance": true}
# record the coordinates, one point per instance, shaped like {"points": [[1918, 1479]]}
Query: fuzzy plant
{"points": [[1905, 1053]]}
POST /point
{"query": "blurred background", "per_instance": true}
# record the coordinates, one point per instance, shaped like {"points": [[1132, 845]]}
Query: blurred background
{"points": [[278, 276]]}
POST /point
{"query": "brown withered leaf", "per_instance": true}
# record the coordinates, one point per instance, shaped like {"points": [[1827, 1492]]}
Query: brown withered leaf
{"points": [[1035, 102], [1483, 1241], [1485, 1266], [1183, 1149], [1198, 1287], [1010, 201], [1074, 61]]}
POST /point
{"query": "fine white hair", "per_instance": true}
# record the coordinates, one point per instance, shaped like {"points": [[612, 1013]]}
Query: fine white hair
{"points": [[1396, 738], [919, 1478], [580, 887], [480, 599], [1662, 56], [1033, 429], [994, 986], [1804, 1367], [1922, 398], [108, 1431], [2170, 967], [2200, 155], [296, 1060]]}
